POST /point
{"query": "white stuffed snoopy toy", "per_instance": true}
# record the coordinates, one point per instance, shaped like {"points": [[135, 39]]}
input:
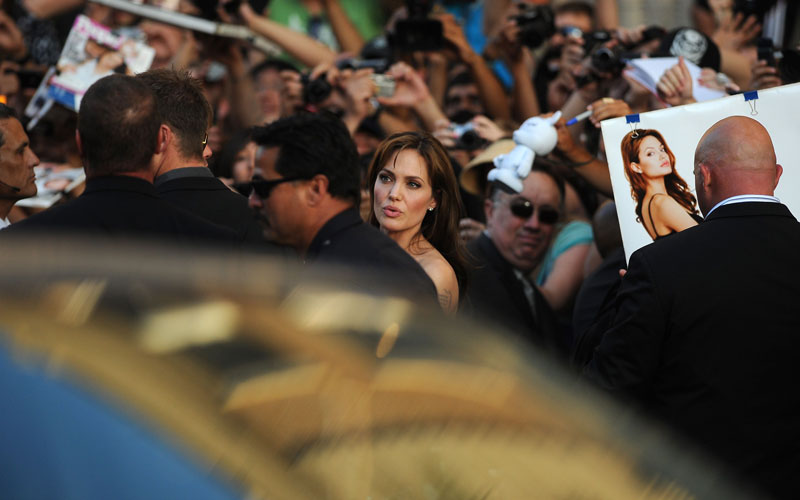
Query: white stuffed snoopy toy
{"points": [[537, 136]]}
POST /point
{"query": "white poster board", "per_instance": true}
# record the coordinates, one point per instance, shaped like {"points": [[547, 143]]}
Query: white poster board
{"points": [[683, 126]]}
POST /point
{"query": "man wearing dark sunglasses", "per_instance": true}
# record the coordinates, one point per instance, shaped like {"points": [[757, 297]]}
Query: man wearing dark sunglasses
{"points": [[519, 229], [183, 177], [310, 193]]}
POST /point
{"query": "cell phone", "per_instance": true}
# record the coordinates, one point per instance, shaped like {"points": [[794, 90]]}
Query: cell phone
{"points": [[766, 51], [385, 83]]}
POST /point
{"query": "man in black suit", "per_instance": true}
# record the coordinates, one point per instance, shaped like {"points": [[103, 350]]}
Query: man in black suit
{"points": [[706, 331], [120, 139], [183, 177], [519, 229], [310, 195]]}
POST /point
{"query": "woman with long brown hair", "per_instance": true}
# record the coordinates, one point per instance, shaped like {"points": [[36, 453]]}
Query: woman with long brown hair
{"points": [[664, 203], [415, 201]]}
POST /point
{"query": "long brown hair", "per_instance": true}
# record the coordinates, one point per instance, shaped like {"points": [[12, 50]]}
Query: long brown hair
{"points": [[440, 226], [674, 183]]}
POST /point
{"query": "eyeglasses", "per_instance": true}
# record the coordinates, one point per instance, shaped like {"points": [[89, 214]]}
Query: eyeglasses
{"points": [[263, 187], [524, 209]]}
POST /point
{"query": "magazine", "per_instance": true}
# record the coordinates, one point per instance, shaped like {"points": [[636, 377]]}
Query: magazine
{"points": [[648, 71], [53, 181], [91, 52]]}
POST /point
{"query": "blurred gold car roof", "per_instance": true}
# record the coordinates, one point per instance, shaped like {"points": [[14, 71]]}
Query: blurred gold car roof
{"points": [[293, 386]]}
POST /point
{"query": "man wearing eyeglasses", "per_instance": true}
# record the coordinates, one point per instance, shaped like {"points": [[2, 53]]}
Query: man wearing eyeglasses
{"points": [[182, 176], [519, 229], [310, 195]]}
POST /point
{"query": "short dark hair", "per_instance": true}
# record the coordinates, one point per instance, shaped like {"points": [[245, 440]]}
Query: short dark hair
{"points": [[118, 124], [312, 144], [575, 7], [5, 114], [222, 164], [183, 107], [273, 65]]}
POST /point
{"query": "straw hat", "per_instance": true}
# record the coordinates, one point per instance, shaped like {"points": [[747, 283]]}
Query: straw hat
{"points": [[473, 176]]}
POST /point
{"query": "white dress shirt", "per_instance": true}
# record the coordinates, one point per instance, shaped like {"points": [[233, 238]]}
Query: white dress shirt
{"points": [[745, 198]]}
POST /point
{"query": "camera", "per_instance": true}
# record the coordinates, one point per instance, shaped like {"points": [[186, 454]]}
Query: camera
{"points": [[756, 8], [317, 90], [417, 32], [766, 51], [385, 85], [535, 24], [466, 137]]}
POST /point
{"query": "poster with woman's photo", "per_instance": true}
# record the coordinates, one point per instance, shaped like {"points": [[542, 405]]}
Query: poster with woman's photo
{"points": [[91, 52], [651, 161]]}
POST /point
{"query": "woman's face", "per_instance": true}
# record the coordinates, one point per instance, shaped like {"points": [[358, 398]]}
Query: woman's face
{"points": [[245, 163], [403, 192], [653, 159]]}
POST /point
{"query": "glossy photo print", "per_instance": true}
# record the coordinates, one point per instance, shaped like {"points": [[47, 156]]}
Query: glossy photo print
{"points": [[651, 160]]}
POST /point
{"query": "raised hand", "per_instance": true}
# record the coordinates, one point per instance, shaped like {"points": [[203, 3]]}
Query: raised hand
{"points": [[12, 44], [607, 107], [675, 85]]}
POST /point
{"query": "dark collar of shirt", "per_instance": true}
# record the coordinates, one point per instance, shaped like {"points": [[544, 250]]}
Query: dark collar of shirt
{"points": [[119, 183], [344, 220], [180, 173]]}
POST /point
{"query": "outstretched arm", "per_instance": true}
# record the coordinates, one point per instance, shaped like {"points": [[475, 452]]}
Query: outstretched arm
{"points": [[347, 35], [300, 46]]}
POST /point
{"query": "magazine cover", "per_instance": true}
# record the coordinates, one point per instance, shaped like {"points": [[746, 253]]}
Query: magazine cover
{"points": [[91, 52], [658, 147], [53, 181]]}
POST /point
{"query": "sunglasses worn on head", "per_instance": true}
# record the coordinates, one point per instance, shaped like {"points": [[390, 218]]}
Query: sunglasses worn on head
{"points": [[523, 209], [263, 187]]}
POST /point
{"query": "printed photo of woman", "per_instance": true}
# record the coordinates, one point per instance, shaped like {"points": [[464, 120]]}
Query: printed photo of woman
{"points": [[664, 202]]}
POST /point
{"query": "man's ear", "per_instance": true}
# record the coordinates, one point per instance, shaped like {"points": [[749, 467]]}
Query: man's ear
{"points": [[317, 189], [778, 173], [488, 208], [705, 173], [164, 138]]}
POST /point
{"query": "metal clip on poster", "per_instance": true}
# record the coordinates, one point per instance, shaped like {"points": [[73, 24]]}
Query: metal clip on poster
{"points": [[632, 120], [193, 23], [751, 98]]}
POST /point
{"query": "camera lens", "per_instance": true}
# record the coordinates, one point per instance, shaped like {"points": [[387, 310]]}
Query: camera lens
{"points": [[317, 90]]}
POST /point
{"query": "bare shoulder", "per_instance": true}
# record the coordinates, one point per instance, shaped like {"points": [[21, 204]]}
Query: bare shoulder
{"points": [[663, 201], [671, 214], [444, 278]]}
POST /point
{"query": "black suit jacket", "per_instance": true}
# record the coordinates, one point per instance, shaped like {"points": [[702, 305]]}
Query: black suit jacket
{"points": [[496, 294], [123, 206], [707, 335], [346, 240], [210, 199]]}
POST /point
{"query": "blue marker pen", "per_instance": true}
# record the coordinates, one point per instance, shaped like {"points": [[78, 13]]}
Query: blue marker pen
{"points": [[586, 114]]}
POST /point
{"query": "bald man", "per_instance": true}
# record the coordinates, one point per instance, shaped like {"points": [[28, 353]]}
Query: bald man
{"points": [[707, 331]]}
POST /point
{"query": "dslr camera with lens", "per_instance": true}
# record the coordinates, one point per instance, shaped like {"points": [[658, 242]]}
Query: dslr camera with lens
{"points": [[536, 24]]}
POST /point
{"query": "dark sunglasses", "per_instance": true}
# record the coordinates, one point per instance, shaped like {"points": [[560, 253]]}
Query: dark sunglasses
{"points": [[262, 187], [523, 209]]}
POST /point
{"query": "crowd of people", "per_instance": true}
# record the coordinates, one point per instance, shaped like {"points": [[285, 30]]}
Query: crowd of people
{"points": [[367, 142]]}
